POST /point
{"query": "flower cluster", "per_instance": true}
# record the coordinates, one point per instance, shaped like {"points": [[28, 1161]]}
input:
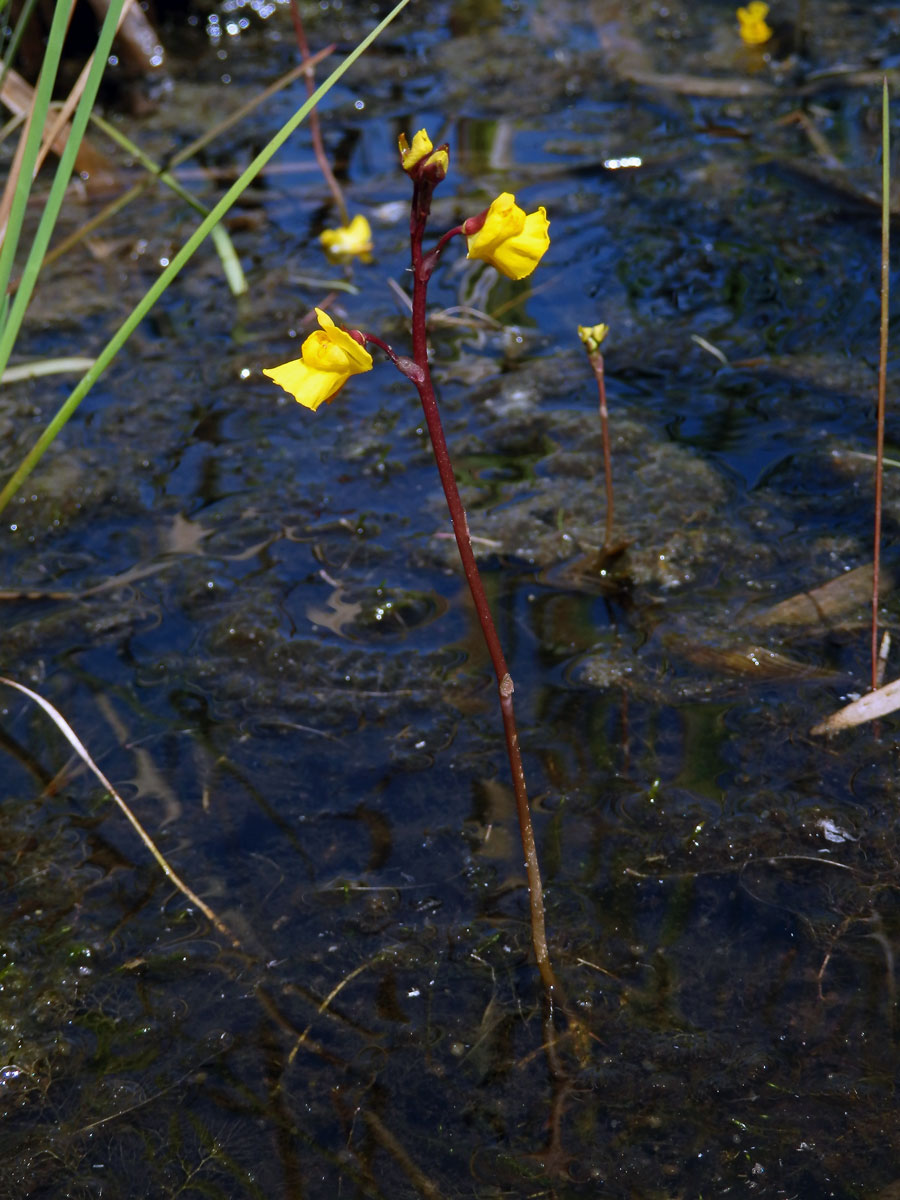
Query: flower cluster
{"points": [[503, 235]]}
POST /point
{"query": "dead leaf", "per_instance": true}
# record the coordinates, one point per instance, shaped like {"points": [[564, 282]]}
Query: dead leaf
{"points": [[866, 708], [836, 599]]}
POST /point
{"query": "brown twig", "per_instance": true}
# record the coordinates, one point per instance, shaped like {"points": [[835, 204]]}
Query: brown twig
{"points": [[315, 128], [882, 361]]}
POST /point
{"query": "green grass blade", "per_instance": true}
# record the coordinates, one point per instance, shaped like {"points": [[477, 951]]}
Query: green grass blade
{"points": [[42, 96], [231, 264], [10, 51], [57, 195], [117, 341]]}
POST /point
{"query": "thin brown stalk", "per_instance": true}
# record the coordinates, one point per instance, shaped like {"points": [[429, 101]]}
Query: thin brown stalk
{"points": [[882, 361], [388, 1141], [315, 128], [423, 265], [505, 685], [597, 364]]}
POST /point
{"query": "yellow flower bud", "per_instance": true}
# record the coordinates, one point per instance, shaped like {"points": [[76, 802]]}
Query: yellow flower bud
{"points": [[328, 358], [410, 155], [438, 164], [592, 336]]}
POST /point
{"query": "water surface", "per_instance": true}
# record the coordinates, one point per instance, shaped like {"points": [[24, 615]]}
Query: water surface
{"points": [[255, 619]]}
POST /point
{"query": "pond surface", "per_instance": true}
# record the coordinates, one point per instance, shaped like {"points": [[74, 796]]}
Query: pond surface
{"points": [[253, 617]]}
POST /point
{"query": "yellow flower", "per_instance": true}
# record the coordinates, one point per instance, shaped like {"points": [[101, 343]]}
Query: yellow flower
{"points": [[328, 358], [592, 336], [509, 240], [410, 155], [437, 162], [752, 20], [348, 241]]}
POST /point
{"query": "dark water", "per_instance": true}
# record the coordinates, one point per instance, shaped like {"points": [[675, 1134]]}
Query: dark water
{"points": [[288, 685]]}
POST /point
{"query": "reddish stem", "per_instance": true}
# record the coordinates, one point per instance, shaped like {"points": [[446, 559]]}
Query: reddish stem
{"points": [[315, 129], [597, 363], [882, 366], [423, 266]]}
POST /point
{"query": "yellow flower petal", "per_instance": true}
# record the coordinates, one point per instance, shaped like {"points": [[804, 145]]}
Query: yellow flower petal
{"points": [[309, 387], [328, 358], [752, 21], [348, 241], [509, 240], [439, 163], [410, 155]]}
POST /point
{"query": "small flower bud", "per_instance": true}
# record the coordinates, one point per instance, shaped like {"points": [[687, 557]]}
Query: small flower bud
{"points": [[592, 336], [421, 147], [421, 160]]}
